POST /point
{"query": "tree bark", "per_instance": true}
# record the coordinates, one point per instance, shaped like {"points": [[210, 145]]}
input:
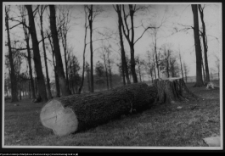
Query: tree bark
{"points": [[123, 57], [75, 113], [84, 50], [59, 65], [64, 43], [132, 64], [199, 81], [90, 19], [173, 89], [156, 55], [37, 59], [45, 58], [27, 39], [54, 65], [14, 89], [205, 46]]}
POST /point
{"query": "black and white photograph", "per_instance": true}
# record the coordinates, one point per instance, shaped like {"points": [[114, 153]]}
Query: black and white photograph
{"points": [[112, 75]]}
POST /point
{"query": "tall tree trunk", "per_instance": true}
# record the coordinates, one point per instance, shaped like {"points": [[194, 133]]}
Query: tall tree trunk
{"points": [[59, 65], [132, 64], [84, 50], [156, 56], [45, 59], [14, 90], [64, 43], [205, 45], [37, 59], [199, 81], [54, 65], [27, 38], [133, 71], [91, 47], [123, 57]]}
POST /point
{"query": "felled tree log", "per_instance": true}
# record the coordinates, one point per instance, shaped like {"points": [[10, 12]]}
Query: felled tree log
{"points": [[74, 113], [173, 89]]}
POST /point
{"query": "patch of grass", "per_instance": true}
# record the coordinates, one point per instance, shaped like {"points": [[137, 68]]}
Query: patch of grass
{"points": [[162, 125]]}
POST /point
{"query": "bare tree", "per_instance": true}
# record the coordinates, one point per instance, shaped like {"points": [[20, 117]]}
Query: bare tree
{"points": [[123, 59], [105, 56], [166, 58], [41, 12], [155, 31], [199, 81], [130, 33], [29, 60], [54, 66], [64, 19], [59, 65], [84, 50], [12, 72], [90, 20], [73, 68], [37, 59], [205, 44]]}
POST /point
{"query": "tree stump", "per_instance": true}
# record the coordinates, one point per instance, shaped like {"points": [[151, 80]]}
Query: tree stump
{"points": [[69, 114], [173, 89]]}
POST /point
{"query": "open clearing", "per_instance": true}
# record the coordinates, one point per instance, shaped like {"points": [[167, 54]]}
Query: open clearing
{"points": [[179, 124]]}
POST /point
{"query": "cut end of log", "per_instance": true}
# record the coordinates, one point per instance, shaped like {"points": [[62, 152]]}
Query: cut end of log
{"points": [[62, 120]]}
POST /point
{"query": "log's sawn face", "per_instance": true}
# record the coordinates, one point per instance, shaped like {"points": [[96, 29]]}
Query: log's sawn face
{"points": [[62, 120]]}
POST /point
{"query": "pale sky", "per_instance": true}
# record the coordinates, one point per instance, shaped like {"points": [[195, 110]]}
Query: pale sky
{"points": [[173, 14]]}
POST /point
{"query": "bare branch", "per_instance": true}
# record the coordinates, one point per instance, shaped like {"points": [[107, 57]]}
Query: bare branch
{"points": [[19, 22], [144, 33]]}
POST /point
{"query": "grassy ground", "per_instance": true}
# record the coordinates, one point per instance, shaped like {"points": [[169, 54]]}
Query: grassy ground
{"points": [[164, 125]]}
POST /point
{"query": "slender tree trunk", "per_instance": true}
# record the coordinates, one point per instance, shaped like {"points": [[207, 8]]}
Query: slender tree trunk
{"points": [[203, 71], [65, 54], [84, 50], [199, 81], [123, 57], [156, 57], [151, 75], [106, 72], [205, 45], [110, 77], [54, 65], [29, 61], [133, 71], [122, 71], [181, 67], [37, 59], [88, 80], [45, 59], [132, 64], [91, 47], [59, 65], [168, 64], [14, 90]]}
